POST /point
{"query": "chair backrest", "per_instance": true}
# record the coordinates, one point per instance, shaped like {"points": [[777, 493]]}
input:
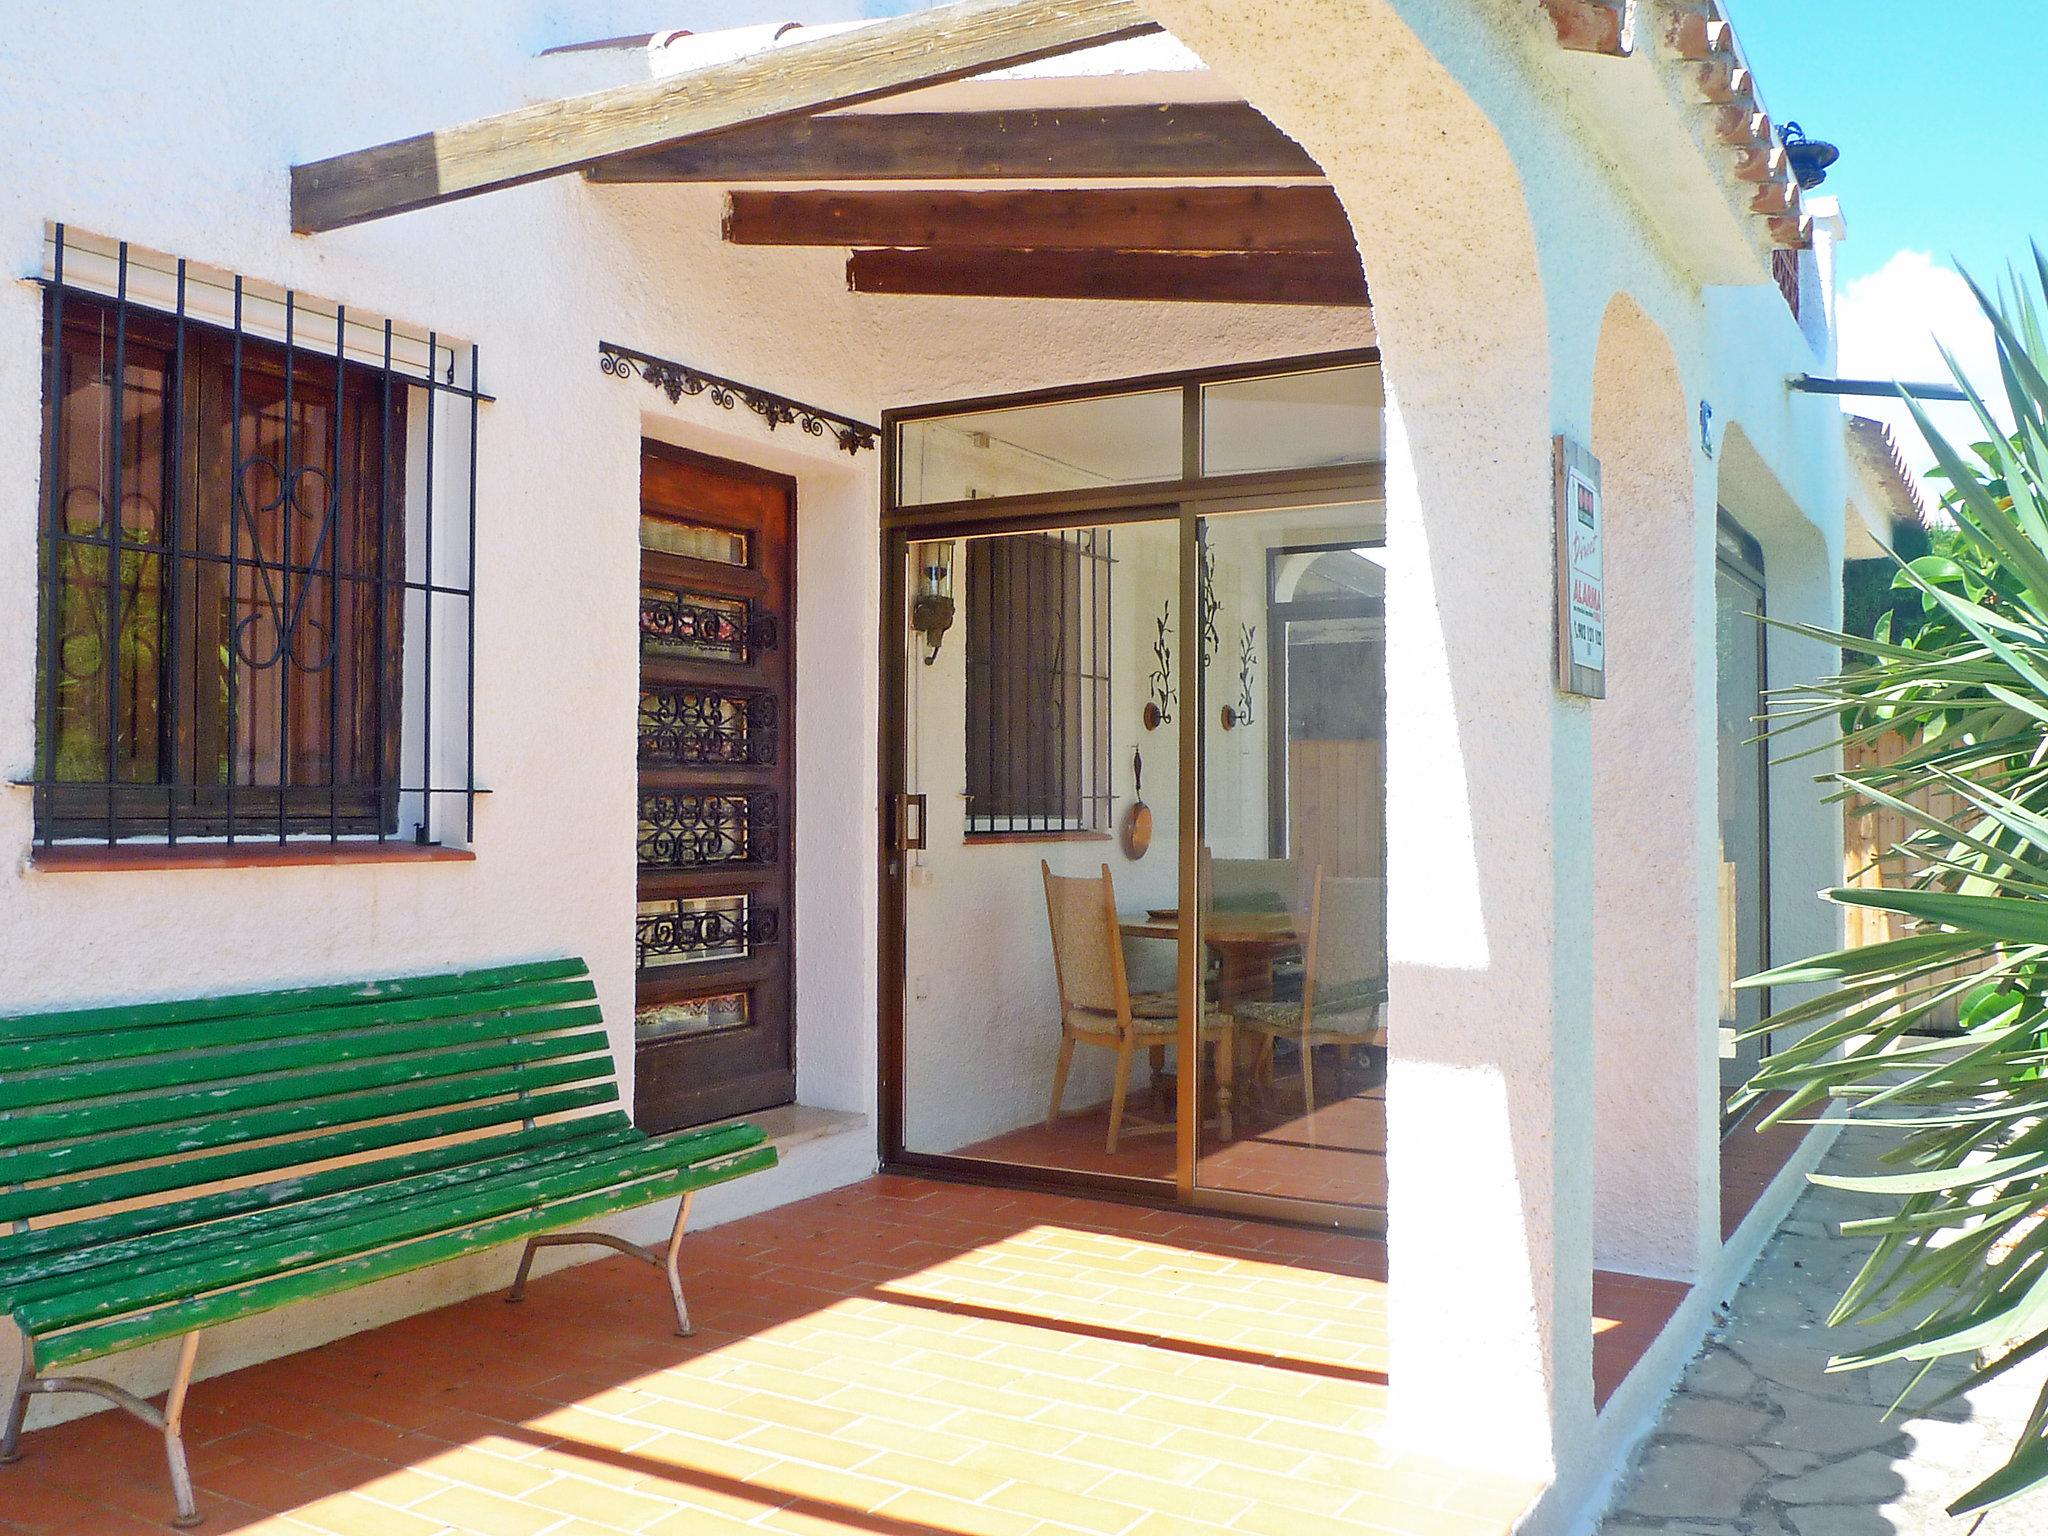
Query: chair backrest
{"points": [[1254, 885], [1345, 960], [121, 1103], [1087, 946]]}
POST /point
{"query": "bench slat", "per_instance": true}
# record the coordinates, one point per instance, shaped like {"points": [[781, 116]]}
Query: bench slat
{"points": [[181, 1106], [192, 1172], [255, 1125], [65, 1050], [90, 1266], [76, 1085], [49, 1250], [93, 1340], [26, 1026], [420, 1218]]}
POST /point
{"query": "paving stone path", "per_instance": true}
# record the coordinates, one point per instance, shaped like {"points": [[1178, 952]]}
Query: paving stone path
{"points": [[1760, 1441]]}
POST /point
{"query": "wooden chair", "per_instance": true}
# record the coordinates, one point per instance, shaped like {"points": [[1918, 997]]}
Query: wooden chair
{"points": [[1097, 1006], [1344, 981]]}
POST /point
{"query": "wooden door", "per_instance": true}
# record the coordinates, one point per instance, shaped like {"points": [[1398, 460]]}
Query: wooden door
{"points": [[714, 1027]]}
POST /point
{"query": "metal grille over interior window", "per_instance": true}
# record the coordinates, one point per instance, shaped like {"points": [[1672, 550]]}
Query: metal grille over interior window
{"points": [[257, 562], [1038, 663]]}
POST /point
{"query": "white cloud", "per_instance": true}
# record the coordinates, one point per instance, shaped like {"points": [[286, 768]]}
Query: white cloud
{"points": [[1889, 325]]}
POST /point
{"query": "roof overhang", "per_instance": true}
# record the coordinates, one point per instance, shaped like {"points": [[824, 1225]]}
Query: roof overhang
{"points": [[1881, 488]]}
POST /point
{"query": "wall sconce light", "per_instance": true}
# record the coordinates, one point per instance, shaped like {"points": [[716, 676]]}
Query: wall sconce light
{"points": [[931, 608]]}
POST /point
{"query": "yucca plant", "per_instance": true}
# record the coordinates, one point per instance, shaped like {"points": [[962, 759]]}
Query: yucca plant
{"points": [[1961, 1264]]}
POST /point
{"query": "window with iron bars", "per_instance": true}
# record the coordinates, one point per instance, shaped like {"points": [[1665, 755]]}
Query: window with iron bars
{"points": [[1038, 670], [257, 563]]}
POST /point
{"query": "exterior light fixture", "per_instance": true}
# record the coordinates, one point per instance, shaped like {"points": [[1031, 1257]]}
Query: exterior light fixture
{"points": [[931, 609], [1810, 157]]}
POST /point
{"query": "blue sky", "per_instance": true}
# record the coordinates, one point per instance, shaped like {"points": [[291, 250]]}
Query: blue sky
{"points": [[1940, 108]]}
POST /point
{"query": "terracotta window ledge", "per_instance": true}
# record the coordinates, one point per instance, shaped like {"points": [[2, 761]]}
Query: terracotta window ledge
{"points": [[68, 858]]}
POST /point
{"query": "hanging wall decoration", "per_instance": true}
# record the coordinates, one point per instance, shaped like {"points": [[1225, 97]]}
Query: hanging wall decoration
{"points": [[1240, 713], [1211, 606], [1159, 707]]}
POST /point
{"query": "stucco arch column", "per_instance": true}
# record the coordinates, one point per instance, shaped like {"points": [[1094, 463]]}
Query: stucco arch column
{"points": [[1656, 936], [1489, 769]]}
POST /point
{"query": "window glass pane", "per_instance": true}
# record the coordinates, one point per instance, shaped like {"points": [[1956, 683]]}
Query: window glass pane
{"points": [[1066, 445], [1294, 421], [692, 1016], [692, 626], [695, 541], [256, 624]]}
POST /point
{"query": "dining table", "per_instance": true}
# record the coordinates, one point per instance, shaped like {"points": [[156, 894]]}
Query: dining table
{"points": [[1246, 945]]}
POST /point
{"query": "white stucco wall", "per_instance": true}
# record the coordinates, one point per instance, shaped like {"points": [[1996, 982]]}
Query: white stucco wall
{"points": [[1496, 229], [156, 152]]}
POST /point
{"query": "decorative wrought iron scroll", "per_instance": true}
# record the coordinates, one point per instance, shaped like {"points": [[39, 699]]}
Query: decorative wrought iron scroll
{"points": [[679, 379], [689, 830], [692, 726], [681, 934], [673, 623], [1159, 708], [1240, 713]]}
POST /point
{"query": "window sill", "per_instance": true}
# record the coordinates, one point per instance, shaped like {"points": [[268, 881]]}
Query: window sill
{"points": [[82, 858], [982, 839]]}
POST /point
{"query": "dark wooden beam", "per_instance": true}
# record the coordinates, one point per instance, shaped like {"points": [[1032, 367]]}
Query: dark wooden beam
{"points": [[1285, 277], [1299, 218], [868, 63], [1192, 141]]}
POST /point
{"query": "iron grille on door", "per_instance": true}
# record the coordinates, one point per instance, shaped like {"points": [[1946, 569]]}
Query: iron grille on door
{"points": [[1038, 663], [257, 563]]}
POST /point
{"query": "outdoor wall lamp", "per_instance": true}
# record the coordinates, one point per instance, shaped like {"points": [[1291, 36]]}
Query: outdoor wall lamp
{"points": [[931, 609], [1810, 157]]}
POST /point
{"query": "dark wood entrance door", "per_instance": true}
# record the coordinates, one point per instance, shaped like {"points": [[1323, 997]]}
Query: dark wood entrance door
{"points": [[714, 1027]]}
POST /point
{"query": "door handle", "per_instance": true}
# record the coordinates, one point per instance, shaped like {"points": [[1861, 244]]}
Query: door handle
{"points": [[906, 840]]}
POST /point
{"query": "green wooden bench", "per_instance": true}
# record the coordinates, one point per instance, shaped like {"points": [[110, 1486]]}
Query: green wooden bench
{"points": [[130, 1136]]}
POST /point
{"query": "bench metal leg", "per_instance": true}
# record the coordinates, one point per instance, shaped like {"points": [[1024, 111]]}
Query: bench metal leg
{"points": [[170, 1418], [664, 1261], [17, 1400]]}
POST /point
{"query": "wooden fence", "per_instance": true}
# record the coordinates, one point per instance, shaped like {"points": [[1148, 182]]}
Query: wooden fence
{"points": [[1870, 858]]}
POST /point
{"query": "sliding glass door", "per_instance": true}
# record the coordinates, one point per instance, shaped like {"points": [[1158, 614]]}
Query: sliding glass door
{"points": [[1292, 873], [1134, 883]]}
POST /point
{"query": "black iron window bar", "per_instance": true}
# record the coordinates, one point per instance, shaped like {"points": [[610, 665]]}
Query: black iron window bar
{"points": [[1038, 683], [699, 829], [238, 583], [694, 726], [679, 379]]}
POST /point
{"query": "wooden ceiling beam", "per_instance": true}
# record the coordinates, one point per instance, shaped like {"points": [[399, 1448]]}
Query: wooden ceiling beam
{"points": [[1281, 277], [1192, 141], [867, 63], [1299, 218]]}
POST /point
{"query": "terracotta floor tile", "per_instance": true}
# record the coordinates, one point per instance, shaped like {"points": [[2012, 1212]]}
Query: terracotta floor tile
{"points": [[900, 1358], [1079, 1511], [471, 1510]]}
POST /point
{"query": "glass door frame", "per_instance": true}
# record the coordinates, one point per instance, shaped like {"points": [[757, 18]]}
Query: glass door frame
{"points": [[1738, 554], [1186, 501]]}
